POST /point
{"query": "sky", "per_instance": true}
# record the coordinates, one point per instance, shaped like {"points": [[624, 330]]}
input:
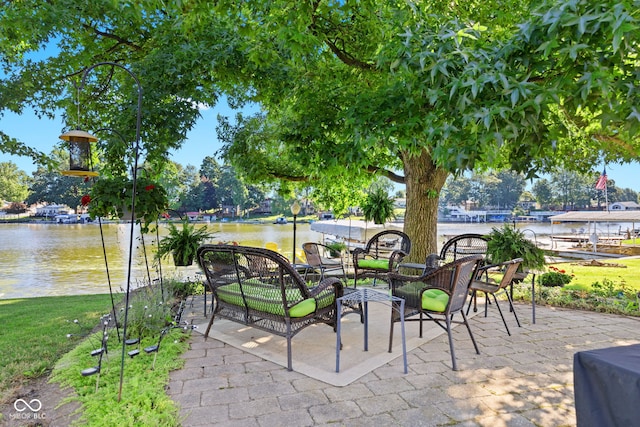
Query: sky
{"points": [[201, 141], [42, 134]]}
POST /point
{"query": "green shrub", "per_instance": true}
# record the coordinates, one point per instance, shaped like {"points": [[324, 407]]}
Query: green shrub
{"points": [[181, 289], [555, 277], [604, 297], [150, 310]]}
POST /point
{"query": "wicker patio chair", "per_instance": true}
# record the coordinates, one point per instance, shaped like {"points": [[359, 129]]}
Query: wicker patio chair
{"points": [[436, 296], [260, 288], [463, 245], [382, 254]]}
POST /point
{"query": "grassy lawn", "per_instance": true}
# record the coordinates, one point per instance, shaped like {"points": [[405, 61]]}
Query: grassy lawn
{"points": [[143, 401], [34, 333], [606, 289], [58, 335], [586, 276]]}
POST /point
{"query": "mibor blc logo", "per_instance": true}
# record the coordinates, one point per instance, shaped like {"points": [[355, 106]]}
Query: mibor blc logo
{"points": [[27, 410]]}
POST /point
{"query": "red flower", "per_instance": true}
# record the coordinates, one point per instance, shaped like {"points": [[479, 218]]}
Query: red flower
{"points": [[86, 179], [149, 187], [86, 199]]}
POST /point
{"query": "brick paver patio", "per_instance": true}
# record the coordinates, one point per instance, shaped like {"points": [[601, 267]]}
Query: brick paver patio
{"points": [[521, 380]]}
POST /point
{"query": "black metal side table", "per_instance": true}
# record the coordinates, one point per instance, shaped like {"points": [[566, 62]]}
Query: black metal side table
{"points": [[364, 296]]}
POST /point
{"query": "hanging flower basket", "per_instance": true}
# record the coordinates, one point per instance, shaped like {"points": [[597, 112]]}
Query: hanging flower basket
{"points": [[111, 198]]}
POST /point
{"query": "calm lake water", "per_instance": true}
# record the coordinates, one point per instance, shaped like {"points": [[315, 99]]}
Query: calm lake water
{"points": [[67, 259]]}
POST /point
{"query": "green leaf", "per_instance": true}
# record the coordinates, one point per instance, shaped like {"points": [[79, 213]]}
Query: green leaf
{"points": [[515, 95]]}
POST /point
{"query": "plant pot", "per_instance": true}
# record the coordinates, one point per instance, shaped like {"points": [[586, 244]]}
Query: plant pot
{"points": [[127, 215], [178, 260]]}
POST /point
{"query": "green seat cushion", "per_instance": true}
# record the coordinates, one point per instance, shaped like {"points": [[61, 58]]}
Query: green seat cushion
{"points": [[268, 299], [303, 308], [230, 294], [435, 300], [375, 264], [432, 299]]}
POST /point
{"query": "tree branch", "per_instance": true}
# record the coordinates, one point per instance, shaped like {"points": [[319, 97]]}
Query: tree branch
{"points": [[106, 35], [347, 58], [340, 53], [392, 176]]}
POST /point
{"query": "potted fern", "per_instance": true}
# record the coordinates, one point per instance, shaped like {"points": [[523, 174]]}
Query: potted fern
{"points": [[508, 243], [378, 206], [335, 248], [182, 243]]}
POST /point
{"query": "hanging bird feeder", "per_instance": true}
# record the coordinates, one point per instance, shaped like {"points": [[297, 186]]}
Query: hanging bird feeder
{"points": [[79, 152]]}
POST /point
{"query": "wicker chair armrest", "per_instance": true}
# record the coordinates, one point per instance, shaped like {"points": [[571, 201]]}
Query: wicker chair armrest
{"points": [[326, 284], [397, 257], [397, 280], [395, 276], [439, 278], [358, 251]]}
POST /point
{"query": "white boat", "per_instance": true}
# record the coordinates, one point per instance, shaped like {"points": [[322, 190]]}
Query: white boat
{"points": [[354, 233], [66, 219]]}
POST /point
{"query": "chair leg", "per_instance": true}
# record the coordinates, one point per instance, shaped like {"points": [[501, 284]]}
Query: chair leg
{"points": [[501, 315], [206, 334], [453, 353], [472, 298], [473, 340], [289, 366], [486, 304], [391, 332], [513, 309]]}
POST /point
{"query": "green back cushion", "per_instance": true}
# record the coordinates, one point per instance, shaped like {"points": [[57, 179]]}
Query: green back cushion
{"points": [[268, 299], [375, 264]]}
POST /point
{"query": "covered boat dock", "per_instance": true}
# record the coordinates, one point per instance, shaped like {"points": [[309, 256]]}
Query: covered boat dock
{"points": [[593, 218]]}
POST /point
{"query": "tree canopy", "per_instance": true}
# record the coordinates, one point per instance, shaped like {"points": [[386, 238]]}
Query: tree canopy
{"points": [[347, 89], [14, 183]]}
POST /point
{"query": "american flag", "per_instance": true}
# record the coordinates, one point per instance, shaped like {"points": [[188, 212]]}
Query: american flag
{"points": [[602, 181]]}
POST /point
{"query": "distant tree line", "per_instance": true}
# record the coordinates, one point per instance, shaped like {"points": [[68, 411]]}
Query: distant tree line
{"points": [[209, 188], [561, 190], [214, 186]]}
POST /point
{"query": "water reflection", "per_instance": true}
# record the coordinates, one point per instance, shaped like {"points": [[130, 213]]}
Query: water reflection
{"points": [[65, 259]]}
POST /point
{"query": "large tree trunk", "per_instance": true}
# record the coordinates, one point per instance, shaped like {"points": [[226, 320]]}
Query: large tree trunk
{"points": [[424, 181]]}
